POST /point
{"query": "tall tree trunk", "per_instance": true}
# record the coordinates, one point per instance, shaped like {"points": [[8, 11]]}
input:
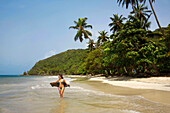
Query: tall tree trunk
{"points": [[145, 68], [118, 70], [156, 17], [125, 70], [155, 68]]}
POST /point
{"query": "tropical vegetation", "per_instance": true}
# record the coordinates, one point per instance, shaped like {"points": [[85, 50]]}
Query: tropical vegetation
{"points": [[131, 49], [67, 62]]}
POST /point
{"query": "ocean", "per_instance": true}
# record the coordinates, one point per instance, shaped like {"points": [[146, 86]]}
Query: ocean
{"points": [[33, 94]]}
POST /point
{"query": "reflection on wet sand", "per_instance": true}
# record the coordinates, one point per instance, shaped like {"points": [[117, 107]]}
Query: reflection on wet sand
{"points": [[83, 97], [59, 107]]}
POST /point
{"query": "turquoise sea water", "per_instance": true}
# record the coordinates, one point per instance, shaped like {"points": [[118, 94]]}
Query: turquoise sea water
{"points": [[33, 94]]}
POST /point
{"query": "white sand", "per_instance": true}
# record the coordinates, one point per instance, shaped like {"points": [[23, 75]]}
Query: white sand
{"points": [[75, 76], [157, 83]]}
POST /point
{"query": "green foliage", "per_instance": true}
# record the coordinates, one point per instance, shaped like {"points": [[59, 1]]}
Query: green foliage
{"points": [[117, 22], [91, 45], [130, 46], [25, 73], [126, 2], [67, 62], [94, 63], [141, 11], [103, 37], [132, 49], [80, 25]]}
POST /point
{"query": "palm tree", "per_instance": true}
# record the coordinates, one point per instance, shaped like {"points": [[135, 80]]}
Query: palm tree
{"points": [[127, 2], [140, 23], [150, 2], [117, 22], [80, 26], [91, 46], [103, 36], [141, 11], [142, 15]]}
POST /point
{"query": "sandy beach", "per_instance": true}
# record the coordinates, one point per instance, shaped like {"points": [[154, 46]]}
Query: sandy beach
{"points": [[157, 83], [23, 93], [155, 89]]}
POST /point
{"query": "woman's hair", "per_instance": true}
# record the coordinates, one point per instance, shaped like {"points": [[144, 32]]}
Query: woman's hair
{"points": [[61, 76]]}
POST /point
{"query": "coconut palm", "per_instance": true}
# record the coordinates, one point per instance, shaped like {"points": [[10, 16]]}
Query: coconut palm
{"points": [[103, 36], [80, 26], [91, 44], [127, 2], [150, 2], [117, 22], [140, 23], [141, 11]]}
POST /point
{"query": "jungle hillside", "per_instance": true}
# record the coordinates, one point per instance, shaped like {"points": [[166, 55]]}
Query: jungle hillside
{"points": [[129, 48]]}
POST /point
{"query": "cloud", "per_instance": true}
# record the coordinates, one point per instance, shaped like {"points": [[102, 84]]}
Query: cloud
{"points": [[50, 53]]}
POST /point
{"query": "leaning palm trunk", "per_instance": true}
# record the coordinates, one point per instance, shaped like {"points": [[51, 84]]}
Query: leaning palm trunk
{"points": [[95, 44], [156, 17]]}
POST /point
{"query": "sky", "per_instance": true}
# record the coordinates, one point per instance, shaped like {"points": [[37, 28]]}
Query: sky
{"points": [[32, 30]]}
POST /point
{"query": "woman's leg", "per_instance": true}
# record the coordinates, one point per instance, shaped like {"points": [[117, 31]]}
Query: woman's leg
{"points": [[59, 91], [62, 91]]}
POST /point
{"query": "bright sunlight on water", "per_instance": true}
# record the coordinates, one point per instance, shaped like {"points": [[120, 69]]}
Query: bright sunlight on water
{"points": [[33, 94]]}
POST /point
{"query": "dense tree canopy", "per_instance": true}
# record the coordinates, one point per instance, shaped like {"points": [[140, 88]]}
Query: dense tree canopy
{"points": [[131, 49], [66, 62]]}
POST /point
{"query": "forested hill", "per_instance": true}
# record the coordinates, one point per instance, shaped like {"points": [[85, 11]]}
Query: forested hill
{"points": [[66, 62]]}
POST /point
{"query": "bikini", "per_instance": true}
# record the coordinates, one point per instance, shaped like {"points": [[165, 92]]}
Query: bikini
{"points": [[61, 83]]}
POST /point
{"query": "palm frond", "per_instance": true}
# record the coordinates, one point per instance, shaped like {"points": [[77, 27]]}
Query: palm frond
{"points": [[88, 26], [76, 22], [78, 35], [88, 32], [85, 34], [73, 27]]}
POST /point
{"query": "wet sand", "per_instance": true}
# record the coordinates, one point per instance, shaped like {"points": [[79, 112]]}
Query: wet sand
{"points": [[33, 94], [149, 88]]}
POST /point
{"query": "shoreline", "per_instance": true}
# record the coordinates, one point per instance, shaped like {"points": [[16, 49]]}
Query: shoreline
{"points": [[132, 87], [155, 83], [102, 75], [83, 95]]}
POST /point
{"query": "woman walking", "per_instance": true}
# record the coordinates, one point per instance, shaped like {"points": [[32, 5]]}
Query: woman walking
{"points": [[61, 84]]}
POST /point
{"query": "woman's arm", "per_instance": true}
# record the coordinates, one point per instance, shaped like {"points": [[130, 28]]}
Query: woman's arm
{"points": [[66, 83], [55, 81]]}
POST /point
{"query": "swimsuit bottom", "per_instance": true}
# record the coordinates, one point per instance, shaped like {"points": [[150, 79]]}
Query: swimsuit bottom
{"points": [[61, 87]]}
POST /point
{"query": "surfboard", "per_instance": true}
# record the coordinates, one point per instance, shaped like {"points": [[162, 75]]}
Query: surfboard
{"points": [[57, 84]]}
